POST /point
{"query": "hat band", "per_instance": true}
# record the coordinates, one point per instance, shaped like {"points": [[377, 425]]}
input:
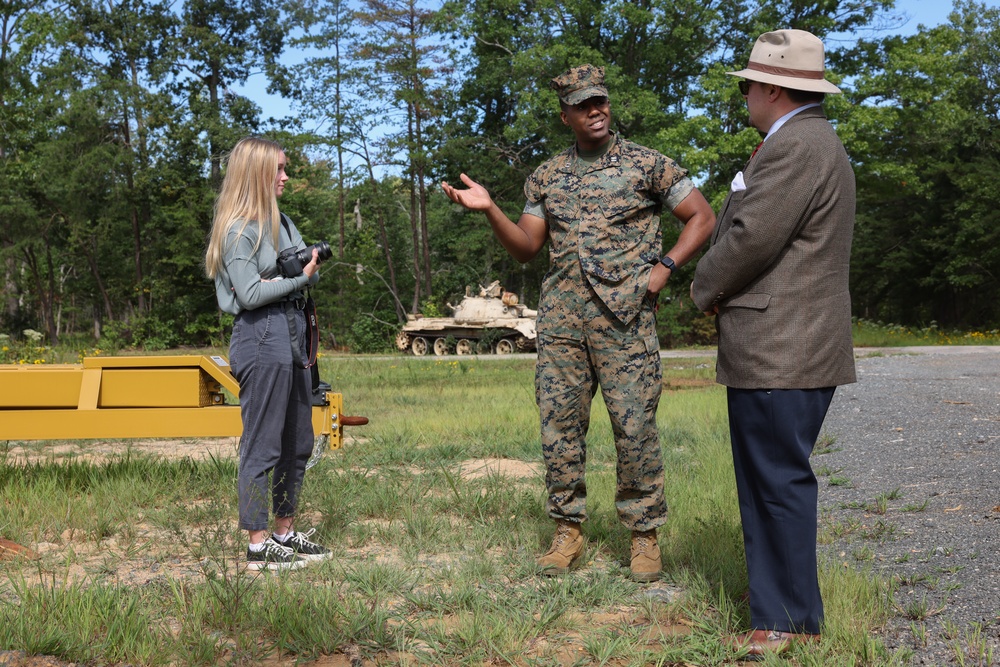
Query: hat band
{"points": [[785, 71]]}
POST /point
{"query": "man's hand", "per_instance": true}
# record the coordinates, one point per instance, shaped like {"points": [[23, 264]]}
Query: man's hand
{"points": [[522, 239], [475, 198], [715, 306], [658, 278]]}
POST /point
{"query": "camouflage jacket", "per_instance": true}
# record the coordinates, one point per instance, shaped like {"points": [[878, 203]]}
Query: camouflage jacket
{"points": [[604, 223]]}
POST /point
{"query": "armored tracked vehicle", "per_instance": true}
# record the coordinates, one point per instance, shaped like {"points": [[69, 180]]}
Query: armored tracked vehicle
{"points": [[493, 321]]}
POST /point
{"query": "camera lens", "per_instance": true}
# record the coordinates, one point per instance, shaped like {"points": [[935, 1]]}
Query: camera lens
{"points": [[324, 251]]}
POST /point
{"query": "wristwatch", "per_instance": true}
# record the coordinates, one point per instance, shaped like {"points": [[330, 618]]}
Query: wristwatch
{"points": [[669, 263]]}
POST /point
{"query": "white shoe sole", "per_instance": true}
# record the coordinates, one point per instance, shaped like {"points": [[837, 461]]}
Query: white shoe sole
{"points": [[257, 566]]}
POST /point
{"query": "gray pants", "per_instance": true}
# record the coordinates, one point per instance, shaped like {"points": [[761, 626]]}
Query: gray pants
{"points": [[276, 408]]}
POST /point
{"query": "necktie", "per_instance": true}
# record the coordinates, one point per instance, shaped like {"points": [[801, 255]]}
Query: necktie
{"points": [[756, 149]]}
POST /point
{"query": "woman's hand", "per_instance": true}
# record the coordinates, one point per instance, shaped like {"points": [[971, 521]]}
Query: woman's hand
{"points": [[312, 267]]}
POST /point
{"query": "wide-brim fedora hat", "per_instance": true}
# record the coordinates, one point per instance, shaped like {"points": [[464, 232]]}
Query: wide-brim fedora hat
{"points": [[790, 59]]}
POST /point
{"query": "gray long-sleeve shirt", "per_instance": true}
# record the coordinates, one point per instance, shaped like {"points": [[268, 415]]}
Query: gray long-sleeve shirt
{"points": [[251, 279]]}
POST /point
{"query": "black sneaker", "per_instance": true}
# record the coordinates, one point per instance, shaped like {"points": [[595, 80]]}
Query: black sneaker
{"points": [[300, 545], [273, 557]]}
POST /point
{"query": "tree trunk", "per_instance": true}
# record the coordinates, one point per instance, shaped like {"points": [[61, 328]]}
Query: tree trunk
{"points": [[140, 163], [424, 234], [10, 291], [420, 169], [341, 214], [44, 289], [90, 254], [384, 239], [212, 83], [413, 213], [134, 216]]}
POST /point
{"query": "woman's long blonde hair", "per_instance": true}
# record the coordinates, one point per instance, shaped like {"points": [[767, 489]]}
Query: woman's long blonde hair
{"points": [[246, 197]]}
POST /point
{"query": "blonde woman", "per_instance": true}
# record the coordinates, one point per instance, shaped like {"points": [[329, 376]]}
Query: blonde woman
{"points": [[269, 338]]}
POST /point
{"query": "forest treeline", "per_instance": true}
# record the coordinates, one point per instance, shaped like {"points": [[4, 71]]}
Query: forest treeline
{"points": [[116, 116]]}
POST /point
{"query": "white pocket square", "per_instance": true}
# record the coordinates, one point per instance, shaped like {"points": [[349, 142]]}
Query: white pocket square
{"points": [[738, 183]]}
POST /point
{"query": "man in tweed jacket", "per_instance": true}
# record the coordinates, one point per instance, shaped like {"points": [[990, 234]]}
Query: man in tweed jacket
{"points": [[598, 205], [776, 275]]}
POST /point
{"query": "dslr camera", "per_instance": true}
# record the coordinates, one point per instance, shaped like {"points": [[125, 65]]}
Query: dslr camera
{"points": [[291, 261]]}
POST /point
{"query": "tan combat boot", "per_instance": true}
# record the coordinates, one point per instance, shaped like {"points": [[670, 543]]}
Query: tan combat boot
{"points": [[645, 556], [566, 551]]}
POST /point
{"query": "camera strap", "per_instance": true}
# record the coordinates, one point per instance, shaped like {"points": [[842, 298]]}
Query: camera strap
{"points": [[285, 223], [308, 308], [312, 332]]}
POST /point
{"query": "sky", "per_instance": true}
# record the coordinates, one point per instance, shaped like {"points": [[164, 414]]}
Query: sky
{"points": [[926, 12]]}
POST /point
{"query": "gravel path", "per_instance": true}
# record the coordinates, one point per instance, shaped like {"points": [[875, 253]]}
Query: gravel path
{"points": [[910, 484]]}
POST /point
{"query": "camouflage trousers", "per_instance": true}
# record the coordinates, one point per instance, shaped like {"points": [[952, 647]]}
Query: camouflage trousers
{"points": [[624, 361]]}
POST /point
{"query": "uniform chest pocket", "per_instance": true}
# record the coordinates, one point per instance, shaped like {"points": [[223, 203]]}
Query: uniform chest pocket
{"points": [[562, 206], [623, 204]]}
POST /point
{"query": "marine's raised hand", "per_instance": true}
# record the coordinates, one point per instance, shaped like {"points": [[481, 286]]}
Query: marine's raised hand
{"points": [[474, 198]]}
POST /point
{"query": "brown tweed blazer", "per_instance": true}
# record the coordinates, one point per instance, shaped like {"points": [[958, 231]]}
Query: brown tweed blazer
{"points": [[778, 264]]}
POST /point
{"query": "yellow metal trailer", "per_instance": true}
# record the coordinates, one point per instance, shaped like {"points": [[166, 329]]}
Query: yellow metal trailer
{"points": [[135, 397]]}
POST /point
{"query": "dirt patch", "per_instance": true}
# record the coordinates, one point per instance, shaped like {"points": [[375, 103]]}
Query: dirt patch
{"points": [[97, 452], [19, 659], [130, 558], [678, 383], [101, 451], [137, 557], [513, 469], [478, 468], [350, 659]]}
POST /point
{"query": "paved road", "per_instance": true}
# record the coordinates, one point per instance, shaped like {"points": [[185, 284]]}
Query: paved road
{"points": [[710, 352], [861, 352], [913, 479]]}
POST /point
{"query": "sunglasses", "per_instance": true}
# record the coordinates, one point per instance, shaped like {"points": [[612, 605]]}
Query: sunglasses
{"points": [[744, 87]]}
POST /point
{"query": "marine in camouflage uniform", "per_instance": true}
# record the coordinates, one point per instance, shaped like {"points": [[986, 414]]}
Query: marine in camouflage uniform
{"points": [[598, 205], [596, 324]]}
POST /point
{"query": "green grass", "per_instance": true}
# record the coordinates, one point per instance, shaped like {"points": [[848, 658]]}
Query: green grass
{"points": [[876, 334], [433, 561]]}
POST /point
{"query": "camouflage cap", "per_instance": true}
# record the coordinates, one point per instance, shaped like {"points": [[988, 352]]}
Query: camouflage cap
{"points": [[580, 83]]}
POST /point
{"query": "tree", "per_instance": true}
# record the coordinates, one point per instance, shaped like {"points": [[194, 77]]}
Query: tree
{"points": [[323, 80], [225, 41], [665, 64], [402, 64], [114, 117], [925, 132], [27, 31], [128, 44]]}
